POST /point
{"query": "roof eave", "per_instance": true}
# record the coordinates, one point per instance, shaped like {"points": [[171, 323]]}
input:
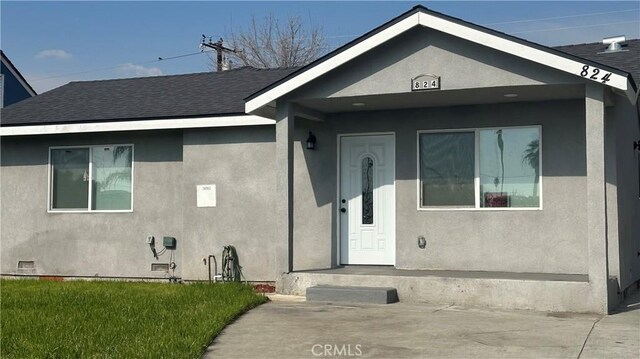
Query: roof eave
{"points": [[136, 125], [420, 16]]}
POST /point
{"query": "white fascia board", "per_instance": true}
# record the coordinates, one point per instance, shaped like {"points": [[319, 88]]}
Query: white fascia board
{"points": [[446, 26], [330, 64], [178, 123], [521, 50], [19, 78]]}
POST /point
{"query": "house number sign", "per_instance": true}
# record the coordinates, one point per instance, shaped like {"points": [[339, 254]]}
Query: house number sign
{"points": [[425, 82], [594, 73]]}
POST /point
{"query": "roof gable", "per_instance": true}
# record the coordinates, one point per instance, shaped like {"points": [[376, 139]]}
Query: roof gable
{"points": [[460, 64], [14, 71], [421, 16]]}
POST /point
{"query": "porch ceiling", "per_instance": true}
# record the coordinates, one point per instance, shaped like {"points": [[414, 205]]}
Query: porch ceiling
{"points": [[444, 98]]}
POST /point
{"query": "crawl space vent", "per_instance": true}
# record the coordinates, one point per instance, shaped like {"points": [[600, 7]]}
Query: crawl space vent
{"points": [[26, 266], [159, 267]]}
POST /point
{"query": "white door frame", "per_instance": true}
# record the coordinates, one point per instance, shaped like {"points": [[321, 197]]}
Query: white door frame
{"points": [[339, 185]]}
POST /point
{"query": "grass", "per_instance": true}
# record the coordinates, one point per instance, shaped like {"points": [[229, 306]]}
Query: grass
{"points": [[94, 319]]}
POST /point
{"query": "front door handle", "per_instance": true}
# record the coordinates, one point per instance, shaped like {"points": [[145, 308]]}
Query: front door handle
{"points": [[343, 210]]}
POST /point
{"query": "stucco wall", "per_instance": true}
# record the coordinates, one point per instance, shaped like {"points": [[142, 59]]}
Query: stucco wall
{"points": [[461, 64], [240, 162], [90, 244], [552, 240], [627, 130], [314, 194]]}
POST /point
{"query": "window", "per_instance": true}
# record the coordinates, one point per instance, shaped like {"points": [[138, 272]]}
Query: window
{"points": [[367, 190], [447, 169], [483, 168], [95, 178]]}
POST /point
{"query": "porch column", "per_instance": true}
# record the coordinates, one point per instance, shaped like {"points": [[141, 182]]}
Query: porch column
{"points": [[596, 196], [284, 187]]}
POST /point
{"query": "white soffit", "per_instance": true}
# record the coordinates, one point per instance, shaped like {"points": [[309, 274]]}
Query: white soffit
{"points": [[141, 125], [452, 28]]}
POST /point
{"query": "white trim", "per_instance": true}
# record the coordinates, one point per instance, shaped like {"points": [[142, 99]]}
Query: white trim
{"points": [[18, 77], [90, 184], [477, 204], [434, 22], [49, 174], [339, 190], [141, 125], [90, 189], [521, 50], [331, 63]]}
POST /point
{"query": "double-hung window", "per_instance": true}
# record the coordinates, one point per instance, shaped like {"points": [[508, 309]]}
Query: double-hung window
{"points": [[480, 168], [91, 178]]}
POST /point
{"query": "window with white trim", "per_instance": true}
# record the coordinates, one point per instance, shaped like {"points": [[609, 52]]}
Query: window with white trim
{"points": [[480, 168], [91, 178]]}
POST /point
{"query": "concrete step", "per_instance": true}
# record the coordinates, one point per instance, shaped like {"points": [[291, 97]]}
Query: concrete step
{"points": [[371, 295]]}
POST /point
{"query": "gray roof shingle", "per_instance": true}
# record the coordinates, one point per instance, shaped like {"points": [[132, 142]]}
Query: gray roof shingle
{"points": [[206, 93], [627, 60], [190, 95]]}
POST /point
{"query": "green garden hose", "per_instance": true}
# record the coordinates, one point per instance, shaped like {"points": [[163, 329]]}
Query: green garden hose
{"points": [[231, 269]]}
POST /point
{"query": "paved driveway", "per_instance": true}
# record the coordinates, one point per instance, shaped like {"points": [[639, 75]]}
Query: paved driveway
{"points": [[285, 329]]}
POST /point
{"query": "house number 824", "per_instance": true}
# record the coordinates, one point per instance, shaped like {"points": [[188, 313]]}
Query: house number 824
{"points": [[594, 74]]}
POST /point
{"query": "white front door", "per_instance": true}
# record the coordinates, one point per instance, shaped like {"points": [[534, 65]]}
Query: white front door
{"points": [[367, 199]]}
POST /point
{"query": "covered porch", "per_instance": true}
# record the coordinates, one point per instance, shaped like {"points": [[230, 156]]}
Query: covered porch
{"points": [[541, 259], [541, 246]]}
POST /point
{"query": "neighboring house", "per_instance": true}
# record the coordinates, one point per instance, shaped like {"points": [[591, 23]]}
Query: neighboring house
{"points": [[13, 86], [450, 161]]}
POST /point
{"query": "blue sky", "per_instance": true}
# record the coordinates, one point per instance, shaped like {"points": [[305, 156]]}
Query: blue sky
{"points": [[53, 43]]}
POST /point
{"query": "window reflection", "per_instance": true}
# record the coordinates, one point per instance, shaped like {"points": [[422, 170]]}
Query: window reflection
{"points": [[367, 190], [509, 167], [447, 167]]}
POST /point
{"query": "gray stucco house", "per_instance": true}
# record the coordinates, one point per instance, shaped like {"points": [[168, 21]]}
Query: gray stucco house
{"points": [[450, 161]]}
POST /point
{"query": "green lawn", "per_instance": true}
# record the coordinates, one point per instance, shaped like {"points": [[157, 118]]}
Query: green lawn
{"points": [[116, 319]]}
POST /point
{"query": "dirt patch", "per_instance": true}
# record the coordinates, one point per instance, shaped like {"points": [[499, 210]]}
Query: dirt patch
{"points": [[264, 288]]}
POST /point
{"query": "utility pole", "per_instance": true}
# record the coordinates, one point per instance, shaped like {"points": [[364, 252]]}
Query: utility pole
{"points": [[219, 49]]}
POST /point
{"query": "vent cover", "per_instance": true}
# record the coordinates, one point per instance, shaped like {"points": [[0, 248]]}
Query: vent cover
{"points": [[614, 43], [159, 267], [26, 265]]}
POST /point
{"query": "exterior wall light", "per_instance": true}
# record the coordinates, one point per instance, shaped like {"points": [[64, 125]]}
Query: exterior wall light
{"points": [[311, 142]]}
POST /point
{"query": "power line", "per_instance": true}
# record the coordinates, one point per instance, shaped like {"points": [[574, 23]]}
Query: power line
{"points": [[576, 27], [160, 59], [531, 20], [218, 48], [352, 36], [562, 17]]}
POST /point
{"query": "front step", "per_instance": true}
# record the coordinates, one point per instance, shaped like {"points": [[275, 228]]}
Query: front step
{"points": [[371, 295]]}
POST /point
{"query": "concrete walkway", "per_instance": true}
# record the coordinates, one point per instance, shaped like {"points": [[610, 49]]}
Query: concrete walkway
{"points": [[289, 329]]}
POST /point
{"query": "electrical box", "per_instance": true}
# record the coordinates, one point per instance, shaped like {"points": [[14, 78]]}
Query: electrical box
{"points": [[150, 240], [169, 242]]}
